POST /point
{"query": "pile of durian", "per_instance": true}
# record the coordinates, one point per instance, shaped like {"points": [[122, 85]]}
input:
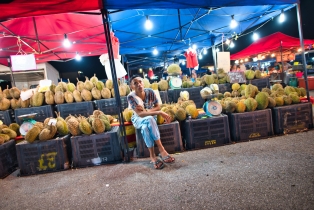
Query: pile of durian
{"points": [[8, 132], [92, 89], [97, 123], [247, 98]]}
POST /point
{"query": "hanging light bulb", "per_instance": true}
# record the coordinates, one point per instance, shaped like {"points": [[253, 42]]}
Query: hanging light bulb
{"points": [[148, 23], [231, 45], [233, 22], [77, 56], [255, 36], [155, 51], [200, 56], [236, 62], [194, 46], [246, 60], [282, 17], [66, 42], [255, 59], [273, 55], [227, 41], [183, 62], [299, 50], [241, 61], [217, 49], [205, 51]]}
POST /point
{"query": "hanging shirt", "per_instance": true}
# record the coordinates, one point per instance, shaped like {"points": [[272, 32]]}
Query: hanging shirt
{"points": [[191, 58]]}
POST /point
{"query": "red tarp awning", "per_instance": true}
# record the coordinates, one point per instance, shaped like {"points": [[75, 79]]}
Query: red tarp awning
{"points": [[270, 44]]}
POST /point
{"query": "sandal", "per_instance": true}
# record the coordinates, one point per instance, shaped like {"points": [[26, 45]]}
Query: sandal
{"points": [[158, 164], [167, 159]]}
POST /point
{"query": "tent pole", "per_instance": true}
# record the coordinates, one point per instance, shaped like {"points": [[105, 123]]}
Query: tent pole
{"points": [[124, 143], [281, 56], [297, 6], [12, 77]]}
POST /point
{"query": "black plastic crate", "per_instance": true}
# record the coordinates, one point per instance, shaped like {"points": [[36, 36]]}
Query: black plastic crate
{"points": [[7, 117], [170, 137], [260, 83], [96, 149], [251, 125], [43, 156], [109, 106], [224, 88], [207, 132], [164, 96], [194, 94], [43, 112], [292, 118], [8, 160], [85, 109]]}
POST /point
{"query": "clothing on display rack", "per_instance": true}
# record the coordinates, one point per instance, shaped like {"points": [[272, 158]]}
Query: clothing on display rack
{"points": [[191, 58]]}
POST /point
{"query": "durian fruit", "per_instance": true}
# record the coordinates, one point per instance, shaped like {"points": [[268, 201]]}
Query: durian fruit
{"points": [[32, 134], [63, 85], [180, 114], [84, 126], [250, 91], [235, 93], [174, 69], [47, 133], [160, 119], [230, 106], [105, 93], [59, 97], [267, 90], [295, 99], [288, 90], [77, 96], [37, 99], [40, 125], [15, 127], [94, 80], [163, 85], [249, 74], [154, 86], [185, 84], [240, 107], [209, 79], [61, 125], [146, 83], [127, 114], [192, 111], [49, 97], [11, 133], [197, 83], [287, 100], [297, 90], [15, 92], [86, 95], [235, 86], [96, 93], [46, 121], [251, 104], [98, 125], [68, 97], [258, 74], [59, 88], [79, 85], [2, 95], [276, 86], [171, 114], [109, 84], [1, 140], [88, 85], [15, 103], [6, 92], [110, 118], [262, 100], [70, 86], [73, 126], [227, 94], [99, 85], [52, 88], [271, 102], [5, 137], [122, 90], [302, 91], [206, 92], [279, 101]]}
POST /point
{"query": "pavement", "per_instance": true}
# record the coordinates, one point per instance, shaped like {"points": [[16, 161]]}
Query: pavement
{"points": [[272, 173]]}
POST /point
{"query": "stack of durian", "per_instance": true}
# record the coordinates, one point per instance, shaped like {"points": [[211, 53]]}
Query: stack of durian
{"points": [[10, 98], [8, 132], [98, 122], [257, 74], [162, 85], [246, 98]]}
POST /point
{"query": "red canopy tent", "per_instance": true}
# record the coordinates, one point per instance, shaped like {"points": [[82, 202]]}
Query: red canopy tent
{"points": [[270, 44]]}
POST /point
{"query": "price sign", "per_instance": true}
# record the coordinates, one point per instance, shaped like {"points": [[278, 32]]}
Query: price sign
{"points": [[237, 77]]}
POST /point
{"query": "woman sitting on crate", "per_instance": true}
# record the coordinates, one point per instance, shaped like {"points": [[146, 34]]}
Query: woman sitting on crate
{"points": [[145, 106]]}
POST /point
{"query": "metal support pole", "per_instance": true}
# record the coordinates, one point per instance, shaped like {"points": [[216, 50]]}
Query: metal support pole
{"points": [[297, 6], [214, 53], [124, 143], [281, 57], [12, 77]]}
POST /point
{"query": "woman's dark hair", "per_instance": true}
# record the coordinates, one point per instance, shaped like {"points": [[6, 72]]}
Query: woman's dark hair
{"points": [[134, 76]]}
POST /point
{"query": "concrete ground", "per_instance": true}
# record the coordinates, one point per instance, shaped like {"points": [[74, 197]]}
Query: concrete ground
{"points": [[273, 173]]}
